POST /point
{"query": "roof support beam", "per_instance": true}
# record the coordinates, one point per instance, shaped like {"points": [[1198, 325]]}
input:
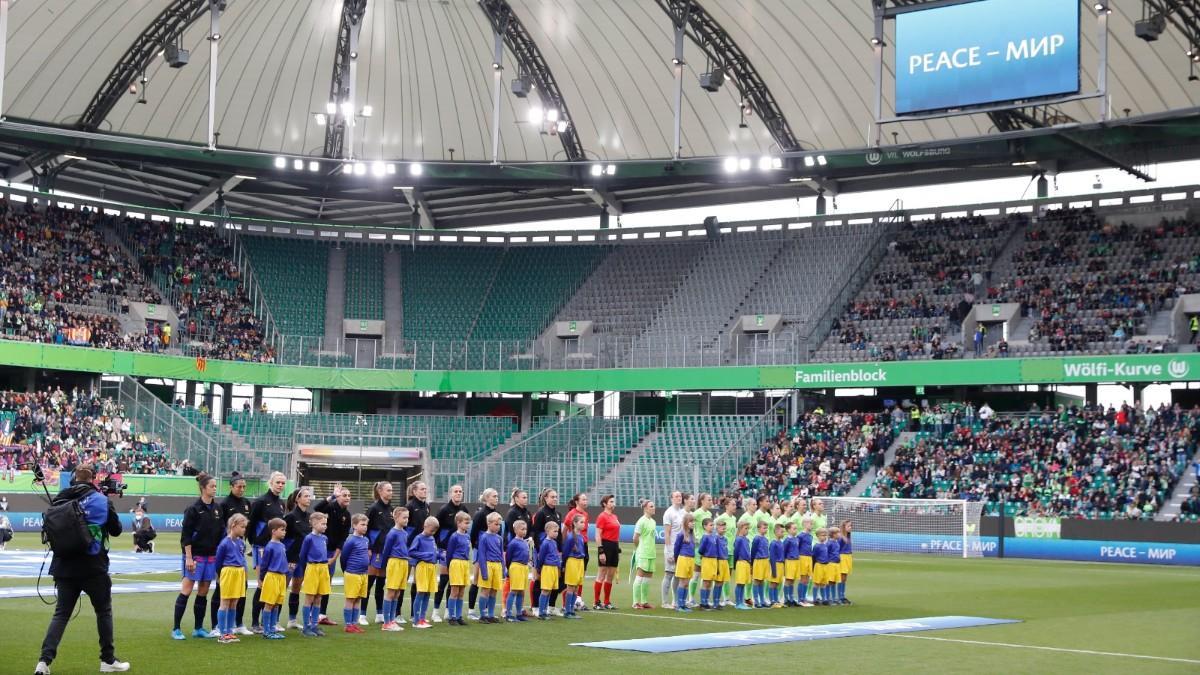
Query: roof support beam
{"points": [[721, 49], [532, 65], [607, 200], [163, 30], [339, 129], [421, 209], [209, 193]]}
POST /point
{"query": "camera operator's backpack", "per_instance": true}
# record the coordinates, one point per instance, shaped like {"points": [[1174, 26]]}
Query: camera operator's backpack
{"points": [[65, 528]]}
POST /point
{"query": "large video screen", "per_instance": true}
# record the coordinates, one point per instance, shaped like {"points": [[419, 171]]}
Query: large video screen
{"points": [[986, 52]]}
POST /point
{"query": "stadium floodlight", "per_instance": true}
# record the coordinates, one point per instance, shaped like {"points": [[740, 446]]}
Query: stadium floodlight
{"points": [[360, 169], [378, 169], [314, 166], [347, 168], [331, 108], [810, 161], [348, 108], [764, 163], [561, 126], [821, 160], [730, 164], [298, 164], [391, 169], [552, 115], [320, 118], [712, 81], [744, 164], [876, 41], [776, 162], [280, 162], [597, 170], [367, 111], [535, 115], [415, 169], [610, 170]]}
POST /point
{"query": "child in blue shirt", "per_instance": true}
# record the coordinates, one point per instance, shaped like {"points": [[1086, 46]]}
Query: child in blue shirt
{"points": [[458, 559], [395, 563], [791, 565], [272, 578], [548, 563], [820, 568], [231, 572], [356, 556], [741, 565], [776, 553], [574, 555], [489, 566], [516, 555], [847, 553], [761, 566], [805, 539], [835, 566], [424, 552], [710, 551], [684, 548], [313, 566]]}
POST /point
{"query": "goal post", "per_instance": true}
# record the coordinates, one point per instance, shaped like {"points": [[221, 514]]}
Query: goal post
{"points": [[947, 527]]}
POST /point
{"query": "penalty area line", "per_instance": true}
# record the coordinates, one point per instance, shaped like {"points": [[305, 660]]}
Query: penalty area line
{"points": [[1039, 647]]}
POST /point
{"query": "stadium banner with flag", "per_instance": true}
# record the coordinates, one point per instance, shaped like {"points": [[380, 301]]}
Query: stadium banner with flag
{"points": [[1052, 370]]}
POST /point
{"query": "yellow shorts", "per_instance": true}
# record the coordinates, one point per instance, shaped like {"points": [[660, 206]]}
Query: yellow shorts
{"points": [[791, 569], [316, 579], [495, 580], [708, 569], [806, 566], [777, 577], [274, 588], [573, 571], [722, 572], [232, 583], [741, 574], [761, 569], [426, 577], [684, 567], [460, 572], [847, 563], [354, 586], [397, 574], [518, 577], [824, 573], [548, 580]]}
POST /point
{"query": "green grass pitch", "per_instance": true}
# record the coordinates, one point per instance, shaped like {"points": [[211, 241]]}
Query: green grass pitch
{"points": [[1093, 618]]}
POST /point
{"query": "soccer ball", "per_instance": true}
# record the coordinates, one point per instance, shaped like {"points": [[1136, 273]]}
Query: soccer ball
{"points": [[579, 603]]}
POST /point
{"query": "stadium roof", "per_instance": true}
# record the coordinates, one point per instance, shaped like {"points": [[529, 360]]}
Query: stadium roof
{"points": [[425, 69]]}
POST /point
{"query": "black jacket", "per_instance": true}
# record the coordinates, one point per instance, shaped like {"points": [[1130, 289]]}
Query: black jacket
{"points": [[298, 527], [202, 528], [231, 505], [516, 513], [339, 523], [418, 511], [379, 521], [446, 526], [479, 523], [262, 510], [543, 516], [85, 565]]}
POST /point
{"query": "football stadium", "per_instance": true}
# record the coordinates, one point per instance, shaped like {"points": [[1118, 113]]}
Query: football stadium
{"points": [[726, 335]]}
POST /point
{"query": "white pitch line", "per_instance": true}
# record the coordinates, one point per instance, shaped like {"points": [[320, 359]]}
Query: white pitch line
{"points": [[1048, 649], [685, 618]]}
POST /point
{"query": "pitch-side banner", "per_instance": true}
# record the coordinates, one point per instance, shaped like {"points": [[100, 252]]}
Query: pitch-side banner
{"points": [[986, 52]]}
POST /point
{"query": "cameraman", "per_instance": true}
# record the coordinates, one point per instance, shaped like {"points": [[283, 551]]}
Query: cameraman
{"points": [[85, 573]]}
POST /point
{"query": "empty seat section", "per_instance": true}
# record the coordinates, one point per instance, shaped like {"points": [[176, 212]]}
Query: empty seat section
{"points": [[364, 282], [293, 275]]}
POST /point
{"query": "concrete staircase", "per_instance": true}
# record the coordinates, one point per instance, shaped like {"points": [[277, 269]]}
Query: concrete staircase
{"points": [[1161, 324], [258, 467], [335, 296], [393, 299], [868, 478], [1182, 489], [608, 483]]}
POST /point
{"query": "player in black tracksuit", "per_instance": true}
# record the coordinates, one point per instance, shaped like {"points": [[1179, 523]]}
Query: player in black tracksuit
{"points": [[298, 527], [234, 502], [418, 511], [379, 521]]}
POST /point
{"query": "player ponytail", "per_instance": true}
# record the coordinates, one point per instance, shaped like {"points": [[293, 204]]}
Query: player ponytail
{"points": [[202, 480]]}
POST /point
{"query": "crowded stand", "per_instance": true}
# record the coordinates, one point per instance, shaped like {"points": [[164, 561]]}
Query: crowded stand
{"points": [[194, 267], [58, 431], [1074, 462], [821, 454], [1089, 284], [929, 277]]}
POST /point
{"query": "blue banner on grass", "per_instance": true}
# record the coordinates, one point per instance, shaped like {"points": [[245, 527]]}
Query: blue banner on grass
{"points": [[744, 638]]}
